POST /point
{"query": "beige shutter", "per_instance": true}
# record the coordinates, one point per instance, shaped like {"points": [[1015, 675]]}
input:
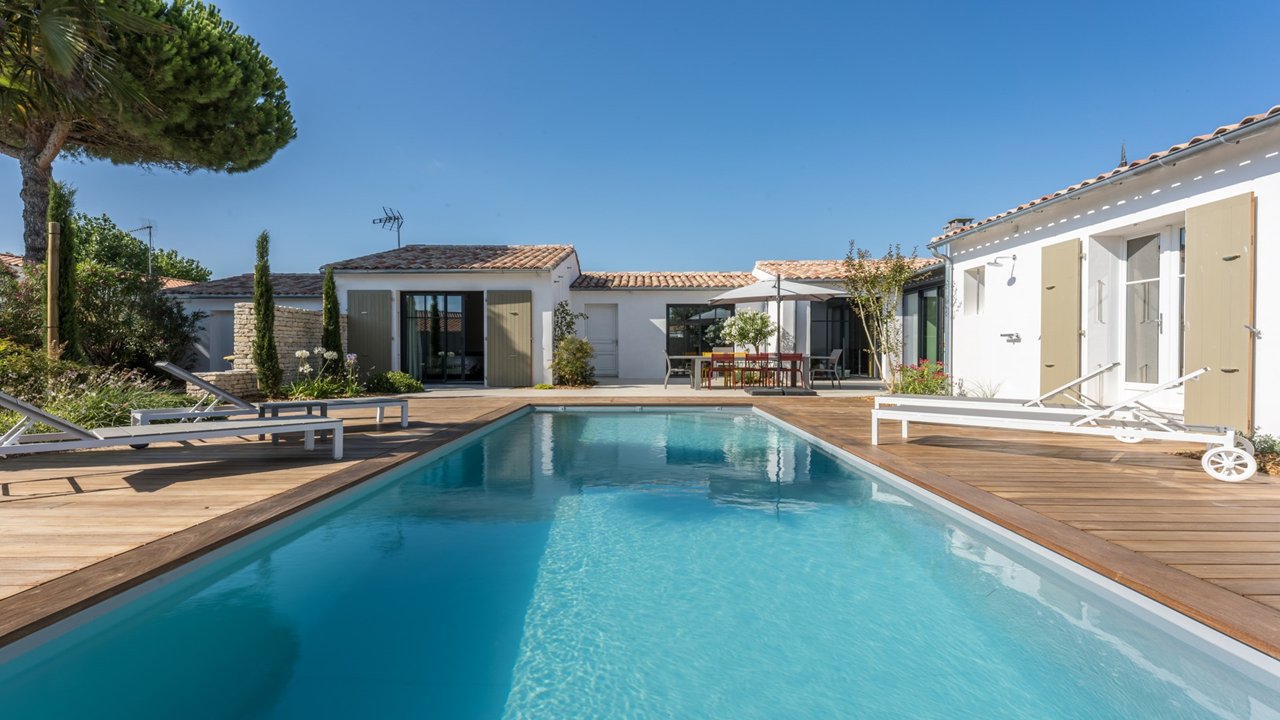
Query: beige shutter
{"points": [[369, 329], [510, 347], [1219, 311], [1059, 315]]}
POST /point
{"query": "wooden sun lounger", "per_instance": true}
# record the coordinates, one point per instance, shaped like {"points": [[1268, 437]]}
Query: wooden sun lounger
{"points": [[69, 436], [218, 403]]}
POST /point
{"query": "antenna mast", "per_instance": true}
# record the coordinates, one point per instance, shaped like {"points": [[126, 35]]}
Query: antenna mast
{"points": [[391, 218]]}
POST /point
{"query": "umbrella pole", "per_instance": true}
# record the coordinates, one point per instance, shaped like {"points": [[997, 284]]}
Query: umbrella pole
{"points": [[777, 347]]}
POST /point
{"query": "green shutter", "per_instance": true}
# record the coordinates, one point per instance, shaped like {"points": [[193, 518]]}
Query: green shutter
{"points": [[369, 329], [510, 347], [1059, 315], [1219, 312]]}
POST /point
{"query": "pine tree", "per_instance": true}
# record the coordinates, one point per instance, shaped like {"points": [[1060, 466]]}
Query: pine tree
{"points": [[62, 201], [145, 82], [331, 334], [265, 358]]}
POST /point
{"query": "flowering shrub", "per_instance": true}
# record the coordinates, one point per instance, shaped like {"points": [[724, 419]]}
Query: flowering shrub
{"points": [[925, 378], [332, 376]]}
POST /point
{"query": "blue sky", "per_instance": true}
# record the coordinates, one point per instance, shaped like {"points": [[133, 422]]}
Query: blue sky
{"points": [[675, 135]]}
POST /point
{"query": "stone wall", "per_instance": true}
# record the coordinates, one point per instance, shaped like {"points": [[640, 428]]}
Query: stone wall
{"points": [[296, 329], [241, 383]]}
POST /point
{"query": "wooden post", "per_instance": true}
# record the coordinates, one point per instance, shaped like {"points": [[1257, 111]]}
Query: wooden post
{"points": [[51, 300]]}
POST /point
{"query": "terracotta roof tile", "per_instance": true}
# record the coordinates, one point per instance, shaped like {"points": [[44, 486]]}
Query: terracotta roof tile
{"points": [[168, 283], [282, 285], [820, 269], [8, 261], [1116, 171], [662, 280], [460, 258]]}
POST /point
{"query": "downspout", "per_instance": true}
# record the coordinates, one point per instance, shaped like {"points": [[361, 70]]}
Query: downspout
{"points": [[950, 318]]}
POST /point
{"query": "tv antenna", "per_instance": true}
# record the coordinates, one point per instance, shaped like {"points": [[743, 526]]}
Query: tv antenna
{"points": [[391, 218]]}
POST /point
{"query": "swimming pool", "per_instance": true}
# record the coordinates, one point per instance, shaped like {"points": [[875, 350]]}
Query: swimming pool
{"points": [[632, 565]]}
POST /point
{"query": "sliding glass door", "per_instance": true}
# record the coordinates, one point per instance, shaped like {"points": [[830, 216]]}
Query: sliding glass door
{"points": [[442, 336]]}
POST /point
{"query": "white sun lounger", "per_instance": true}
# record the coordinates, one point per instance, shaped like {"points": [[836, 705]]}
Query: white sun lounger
{"points": [[1229, 457], [1071, 390], [214, 402], [69, 436]]}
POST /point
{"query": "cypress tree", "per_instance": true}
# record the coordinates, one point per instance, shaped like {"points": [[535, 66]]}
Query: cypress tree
{"points": [[331, 334], [265, 358], [62, 200]]}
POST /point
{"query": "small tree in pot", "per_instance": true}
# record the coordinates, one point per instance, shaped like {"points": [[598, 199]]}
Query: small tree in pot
{"points": [[749, 328]]}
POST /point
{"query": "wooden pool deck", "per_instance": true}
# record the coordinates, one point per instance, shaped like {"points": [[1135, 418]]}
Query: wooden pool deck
{"points": [[76, 528]]}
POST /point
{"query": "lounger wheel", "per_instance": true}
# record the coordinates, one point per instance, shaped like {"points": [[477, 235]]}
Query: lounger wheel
{"points": [[1229, 464], [1130, 439], [1246, 445]]}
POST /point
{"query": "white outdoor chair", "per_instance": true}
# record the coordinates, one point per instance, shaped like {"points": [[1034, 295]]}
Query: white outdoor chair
{"points": [[69, 436], [829, 369]]}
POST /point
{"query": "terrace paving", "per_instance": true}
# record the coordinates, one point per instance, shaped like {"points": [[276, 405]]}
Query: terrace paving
{"points": [[76, 528]]}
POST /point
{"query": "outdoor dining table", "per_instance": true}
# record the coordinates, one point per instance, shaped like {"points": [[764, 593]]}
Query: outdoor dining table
{"points": [[698, 361]]}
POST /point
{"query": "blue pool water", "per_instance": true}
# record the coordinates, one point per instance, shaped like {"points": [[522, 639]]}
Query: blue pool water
{"points": [[631, 565]]}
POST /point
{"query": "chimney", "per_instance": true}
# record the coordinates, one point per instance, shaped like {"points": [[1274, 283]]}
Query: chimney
{"points": [[956, 224]]}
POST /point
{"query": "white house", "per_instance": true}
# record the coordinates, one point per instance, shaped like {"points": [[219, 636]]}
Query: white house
{"points": [[1154, 265], [216, 299], [485, 313]]}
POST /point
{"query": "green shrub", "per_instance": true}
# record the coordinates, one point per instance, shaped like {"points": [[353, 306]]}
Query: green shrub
{"points": [[1265, 443], [122, 318], [572, 363], [393, 382], [926, 378], [544, 386]]}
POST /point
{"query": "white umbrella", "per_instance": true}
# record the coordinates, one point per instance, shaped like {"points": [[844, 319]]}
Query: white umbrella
{"points": [[777, 290]]}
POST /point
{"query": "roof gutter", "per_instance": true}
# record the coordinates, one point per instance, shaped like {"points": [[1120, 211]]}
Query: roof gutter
{"points": [[1170, 159]]}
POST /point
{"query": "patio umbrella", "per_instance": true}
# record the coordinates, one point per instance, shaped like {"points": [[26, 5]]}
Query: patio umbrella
{"points": [[776, 290]]}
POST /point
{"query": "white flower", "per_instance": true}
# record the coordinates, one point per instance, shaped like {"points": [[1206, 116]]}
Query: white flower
{"points": [[331, 355], [302, 354], [305, 369], [319, 350], [350, 357]]}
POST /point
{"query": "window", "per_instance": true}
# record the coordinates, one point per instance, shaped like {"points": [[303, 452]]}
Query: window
{"points": [[695, 329], [1143, 319], [975, 290]]}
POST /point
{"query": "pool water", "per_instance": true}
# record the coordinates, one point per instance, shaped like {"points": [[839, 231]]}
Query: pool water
{"points": [[631, 565]]}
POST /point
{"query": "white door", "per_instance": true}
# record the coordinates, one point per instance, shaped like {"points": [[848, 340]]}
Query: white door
{"points": [[602, 333]]}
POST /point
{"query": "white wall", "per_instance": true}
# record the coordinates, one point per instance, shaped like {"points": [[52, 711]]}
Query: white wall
{"points": [[642, 325], [547, 288], [215, 339], [1149, 202]]}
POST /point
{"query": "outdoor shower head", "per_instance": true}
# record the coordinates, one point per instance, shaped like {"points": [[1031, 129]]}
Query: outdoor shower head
{"points": [[996, 261]]}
